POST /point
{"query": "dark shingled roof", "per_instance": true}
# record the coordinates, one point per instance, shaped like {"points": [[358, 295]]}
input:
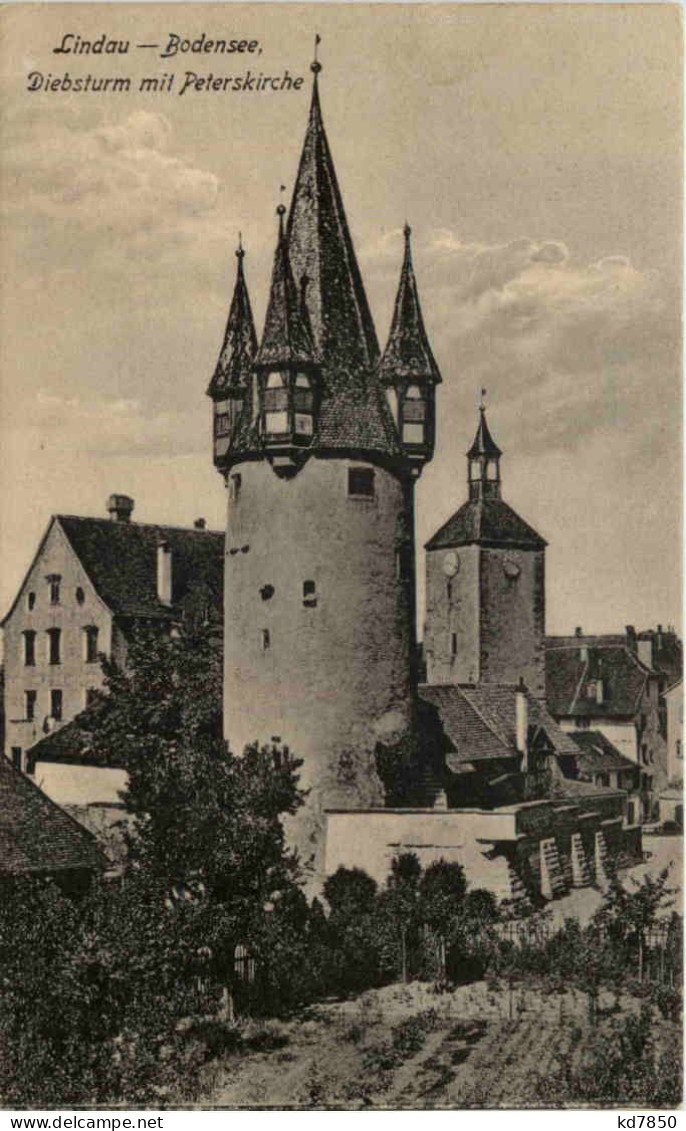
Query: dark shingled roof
{"points": [[240, 341], [353, 411], [408, 355], [597, 754], [36, 836], [287, 337], [486, 522], [569, 680], [484, 444], [320, 247], [480, 720], [120, 559]]}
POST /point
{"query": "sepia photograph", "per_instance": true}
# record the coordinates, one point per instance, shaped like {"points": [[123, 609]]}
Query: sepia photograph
{"points": [[341, 541]]}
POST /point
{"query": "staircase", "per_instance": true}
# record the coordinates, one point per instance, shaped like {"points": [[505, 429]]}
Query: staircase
{"points": [[582, 877], [552, 878]]}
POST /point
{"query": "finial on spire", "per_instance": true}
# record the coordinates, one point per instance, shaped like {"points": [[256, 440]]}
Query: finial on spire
{"points": [[281, 212], [316, 66], [240, 253], [407, 231], [482, 402]]}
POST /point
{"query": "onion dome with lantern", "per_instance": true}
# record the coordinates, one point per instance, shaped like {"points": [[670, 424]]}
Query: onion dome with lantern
{"points": [[230, 384], [408, 370]]}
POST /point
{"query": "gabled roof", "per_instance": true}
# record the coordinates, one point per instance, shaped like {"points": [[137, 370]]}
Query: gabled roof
{"points": [[480, 720], [240, 341], [484, 444], [486, 522], [572, 673], [408, 355], [287, 336], [120, 559], [321, 247], [36, 836], [597, 754]]}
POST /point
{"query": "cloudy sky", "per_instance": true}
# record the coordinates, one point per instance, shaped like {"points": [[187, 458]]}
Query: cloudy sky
{"points": [[535, 152]]}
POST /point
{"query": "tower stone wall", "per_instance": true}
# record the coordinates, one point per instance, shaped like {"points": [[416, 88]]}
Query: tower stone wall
{"points": [[451, 633], [512, 617], [319, 628]]}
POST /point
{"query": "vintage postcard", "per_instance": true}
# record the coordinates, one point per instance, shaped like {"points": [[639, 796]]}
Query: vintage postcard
{"points": [[341, 544]]}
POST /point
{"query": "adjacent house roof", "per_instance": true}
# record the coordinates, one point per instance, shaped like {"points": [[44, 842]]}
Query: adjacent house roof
{"points": [[597, 754], [408, 355], [120, 559], [573, 673], [480, 720], [73, 743], [240, 341], [486, 522], [36, 836]]}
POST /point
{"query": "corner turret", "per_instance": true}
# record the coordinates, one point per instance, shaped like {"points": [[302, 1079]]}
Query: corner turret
{"points": [[230, 384], [408, 370]]}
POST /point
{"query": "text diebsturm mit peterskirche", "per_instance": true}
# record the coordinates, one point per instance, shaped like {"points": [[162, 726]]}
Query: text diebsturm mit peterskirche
{"points": [[245, 78]]}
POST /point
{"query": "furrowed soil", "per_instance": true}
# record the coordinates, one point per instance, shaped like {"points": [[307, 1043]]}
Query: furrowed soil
{"points": [[480, 1046]]}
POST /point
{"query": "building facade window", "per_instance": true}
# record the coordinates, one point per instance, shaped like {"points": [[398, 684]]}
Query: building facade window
{"points": [[30, 705], [80, 595], [30, 601], [56, 704], [89, 697], [309, 594], [54, 581], [361, 482], [54, 645], [90, 644], [16, 758], [29, 648], [678, 748], [453, 645], [266, 640]]}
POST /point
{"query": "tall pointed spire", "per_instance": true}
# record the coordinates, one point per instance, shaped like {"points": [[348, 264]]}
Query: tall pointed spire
{"points": [[408, 355], [320, 247], [287, 337], [240, 341]]}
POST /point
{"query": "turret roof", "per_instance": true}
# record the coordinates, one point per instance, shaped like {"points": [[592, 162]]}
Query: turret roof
{"points": [[484, 444], [408, 354], [486, 522], [321, 247], [287, 337], [240, 340]]}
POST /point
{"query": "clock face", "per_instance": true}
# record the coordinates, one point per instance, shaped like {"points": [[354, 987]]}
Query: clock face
{"points": [[451, 564], [511, 568]]}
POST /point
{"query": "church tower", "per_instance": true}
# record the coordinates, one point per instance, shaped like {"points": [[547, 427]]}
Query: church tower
{"points": [[319, 645], [485, 585]]}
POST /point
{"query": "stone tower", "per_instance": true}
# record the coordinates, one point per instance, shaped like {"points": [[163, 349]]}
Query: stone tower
{"points": [[320, 441], [485, 585]]}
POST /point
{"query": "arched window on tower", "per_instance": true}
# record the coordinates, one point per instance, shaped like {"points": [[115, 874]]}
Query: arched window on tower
{"points": [[392, 398], [414, 415]]}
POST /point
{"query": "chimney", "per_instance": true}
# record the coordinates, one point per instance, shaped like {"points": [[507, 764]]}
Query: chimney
{"points": [[119, 508], [578, 631], [164, 573], [631, 637], [200, 524], [522, 724]]}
